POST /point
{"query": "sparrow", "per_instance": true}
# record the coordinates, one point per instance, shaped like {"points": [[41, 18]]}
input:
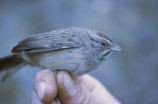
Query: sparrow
{"points": [[74, 50]]}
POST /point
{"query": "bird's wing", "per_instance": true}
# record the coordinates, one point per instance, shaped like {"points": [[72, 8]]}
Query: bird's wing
{"points": [[48, 42]]}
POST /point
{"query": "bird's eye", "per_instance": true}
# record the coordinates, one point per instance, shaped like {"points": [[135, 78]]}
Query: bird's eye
{"points": [[103, 43]]}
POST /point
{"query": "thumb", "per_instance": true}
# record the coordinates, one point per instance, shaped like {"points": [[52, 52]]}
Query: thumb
{"points": [[70, 91]]}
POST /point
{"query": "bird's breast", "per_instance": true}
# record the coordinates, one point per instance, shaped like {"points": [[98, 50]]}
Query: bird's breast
{"points": [[67, 59]]}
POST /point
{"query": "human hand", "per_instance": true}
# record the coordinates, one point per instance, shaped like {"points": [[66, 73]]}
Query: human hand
{"points": [[63, 89]]}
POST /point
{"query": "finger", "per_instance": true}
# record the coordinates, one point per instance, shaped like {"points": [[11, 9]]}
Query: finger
{"points": [[35, 99], [97, 89], [89, 82], [70, 92], [45, 86]]}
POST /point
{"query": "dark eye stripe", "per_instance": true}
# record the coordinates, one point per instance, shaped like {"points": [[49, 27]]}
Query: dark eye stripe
{"points": [[107, 53]]}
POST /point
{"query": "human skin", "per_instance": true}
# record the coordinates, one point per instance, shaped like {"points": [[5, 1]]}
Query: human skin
{"points": [[61, 88]]}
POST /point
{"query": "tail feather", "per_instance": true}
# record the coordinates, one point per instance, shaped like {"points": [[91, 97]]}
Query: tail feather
{"points": [[11, 64]]}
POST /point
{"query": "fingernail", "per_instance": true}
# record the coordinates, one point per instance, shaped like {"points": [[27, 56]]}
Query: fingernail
{"points": [[41, 89]]}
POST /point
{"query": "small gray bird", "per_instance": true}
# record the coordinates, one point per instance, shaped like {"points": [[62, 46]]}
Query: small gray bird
{"points": [[75, 50]]}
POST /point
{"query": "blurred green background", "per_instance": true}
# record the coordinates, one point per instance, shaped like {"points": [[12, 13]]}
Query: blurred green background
{"points": [[131, 76]]}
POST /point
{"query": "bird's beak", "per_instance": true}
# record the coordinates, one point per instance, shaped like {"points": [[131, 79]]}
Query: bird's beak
{"points": [[115, 47]]}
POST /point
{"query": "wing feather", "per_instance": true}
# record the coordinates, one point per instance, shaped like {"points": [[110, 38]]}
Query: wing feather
{"points": [[48, 42]]}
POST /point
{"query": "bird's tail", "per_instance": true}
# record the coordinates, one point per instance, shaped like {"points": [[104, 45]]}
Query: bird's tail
{"points": [[11, 64]]}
